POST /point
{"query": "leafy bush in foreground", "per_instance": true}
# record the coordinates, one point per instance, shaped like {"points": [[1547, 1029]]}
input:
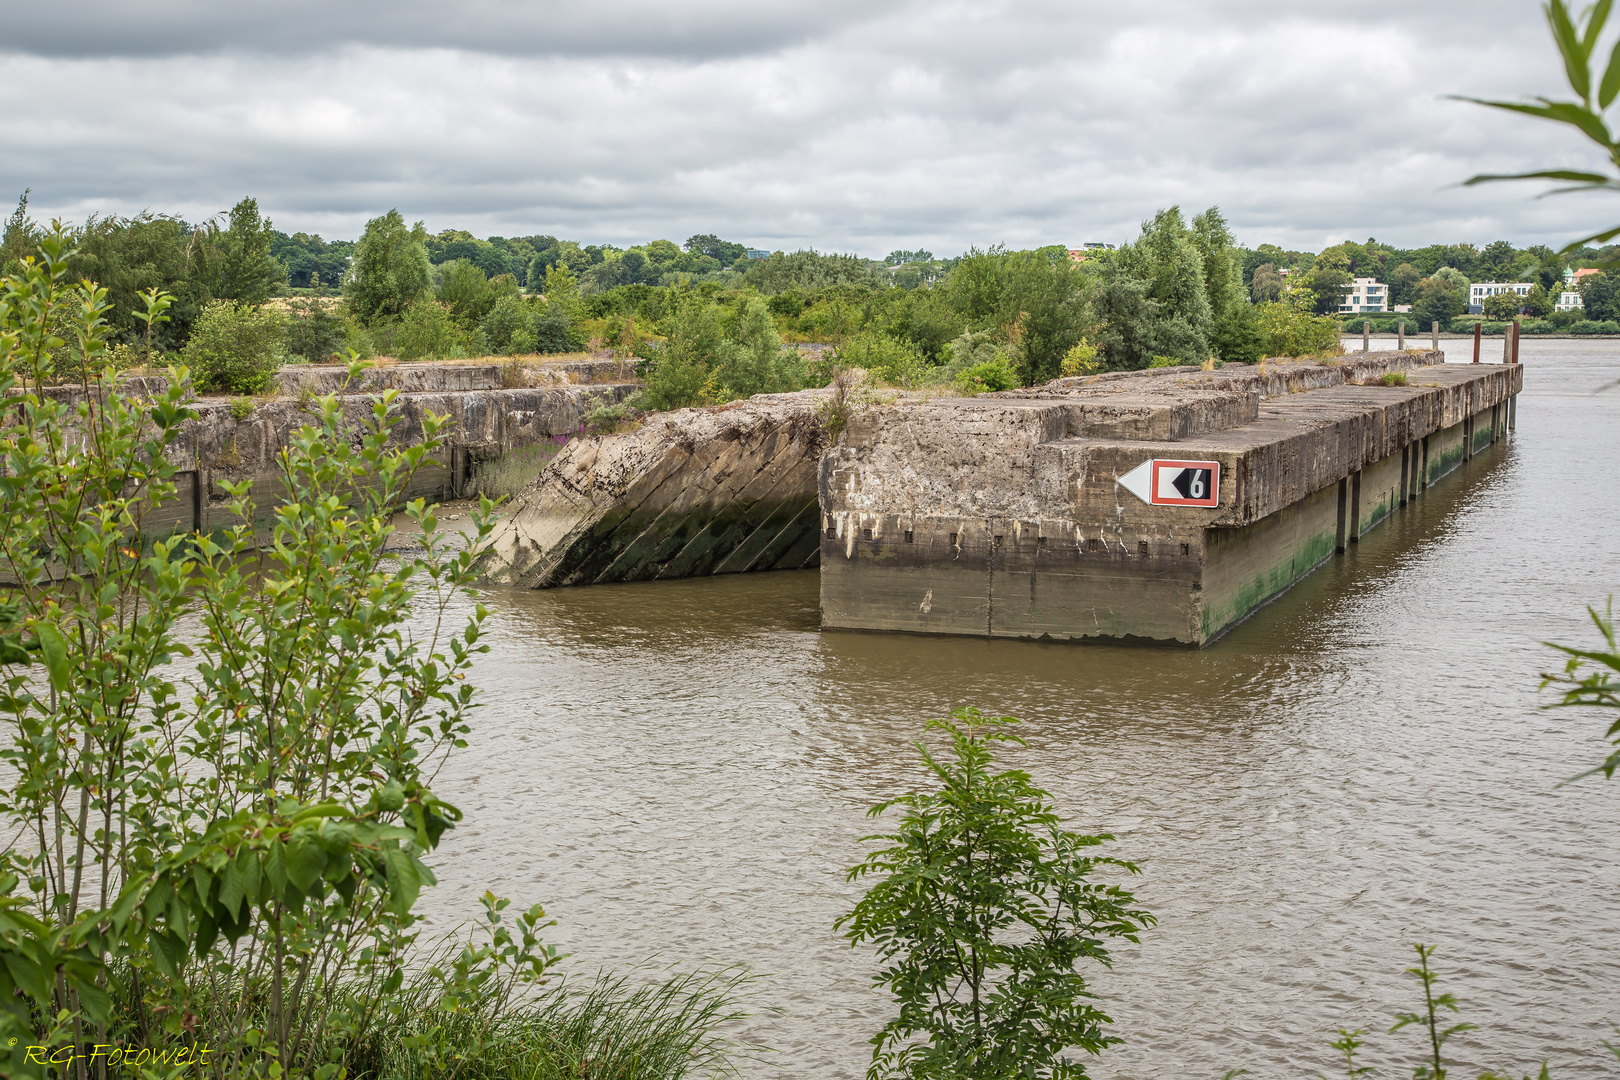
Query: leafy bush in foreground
{"points": [[983, 911]]}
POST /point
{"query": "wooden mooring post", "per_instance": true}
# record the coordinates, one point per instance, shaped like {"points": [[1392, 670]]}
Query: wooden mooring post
{"points": [[1476, 341], [1366, 335], [1400, 335]]}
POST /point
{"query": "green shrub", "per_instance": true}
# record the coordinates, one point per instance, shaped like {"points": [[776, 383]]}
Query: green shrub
{"points": [[509, 327], [1168, 361], [606, 419], [241, 409], [315, 332], [988, 377], [887, 359], [357, 339], [1238, 336], [1595, 327], [553, 333], [1289, 332], [752, 359], [235, 350], [427, 330], [1080, 360]]}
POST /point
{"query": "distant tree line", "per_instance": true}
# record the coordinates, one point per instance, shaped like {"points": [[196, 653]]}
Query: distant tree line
{"points": [[707, 323]]}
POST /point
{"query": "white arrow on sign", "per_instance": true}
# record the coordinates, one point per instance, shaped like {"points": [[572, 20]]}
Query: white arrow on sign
{"points": [[1175, 483], [1139, 481]]}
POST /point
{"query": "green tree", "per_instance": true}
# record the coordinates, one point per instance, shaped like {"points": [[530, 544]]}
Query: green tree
{"points": [[315, 332], [244, 268], [1499, 262], [1403, 283], [21, 237], [1039, 305], [807, 270], [1266, 286], [465, 290], [236, 349], [722, 251], [752, 359], [982, 911], [1438, 301], [389, 269], [429, 330], [1166, 258], [680, 373], [1454, 278], [1126, 338], [1325, 286], [1600, 296], [1223, 263], [1288, 331], [509, 327], [1502, 306]]}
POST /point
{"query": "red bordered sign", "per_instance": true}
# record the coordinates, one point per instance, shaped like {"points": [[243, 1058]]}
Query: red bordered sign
{"points": [[1163, 482]]}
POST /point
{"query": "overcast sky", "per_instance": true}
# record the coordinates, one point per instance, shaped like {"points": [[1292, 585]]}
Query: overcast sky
{"points": [[846, 125]]}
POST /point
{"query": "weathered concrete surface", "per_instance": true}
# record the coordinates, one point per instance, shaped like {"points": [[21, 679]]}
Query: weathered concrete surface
{"points": [[1000, 515], [296, 380], [692, 492], [483, 425]]}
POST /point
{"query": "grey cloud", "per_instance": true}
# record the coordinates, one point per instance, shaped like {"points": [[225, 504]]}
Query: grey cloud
{"points": [[935, 126], [155, 28]]}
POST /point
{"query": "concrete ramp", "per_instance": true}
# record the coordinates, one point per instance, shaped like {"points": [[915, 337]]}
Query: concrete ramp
{"points": [[692, 492]]}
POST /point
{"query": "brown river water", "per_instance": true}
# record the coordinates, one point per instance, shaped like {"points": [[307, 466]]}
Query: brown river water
{"points": [[679, 772]]}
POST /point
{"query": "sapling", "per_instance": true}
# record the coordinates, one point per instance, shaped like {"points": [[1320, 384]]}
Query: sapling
{"points": [[1434, 1068]]}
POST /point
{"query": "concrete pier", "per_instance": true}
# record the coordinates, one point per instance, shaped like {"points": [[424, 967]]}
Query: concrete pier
{"points": [[1011, 515], [493, 410]]}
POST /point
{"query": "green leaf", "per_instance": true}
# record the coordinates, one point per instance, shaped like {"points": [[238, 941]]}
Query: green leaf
{"points": [[1569, 47], [404, 884], [233, 888], [168, 951], [54, 650], [207, 933], [1610, 85], [27, 975], [305, 861], [275, 866], [97, 1005], [1594, 26], [12, 650], [1544, 174]]}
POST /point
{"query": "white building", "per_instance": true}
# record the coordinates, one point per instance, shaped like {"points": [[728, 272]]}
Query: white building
{"points": [[1478, 292], [1569, 301], [1366, 294]]}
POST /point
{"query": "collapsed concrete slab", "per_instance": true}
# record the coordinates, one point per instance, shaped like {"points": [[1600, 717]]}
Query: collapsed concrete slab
{"points": [[1004, 515], [691, 492]]}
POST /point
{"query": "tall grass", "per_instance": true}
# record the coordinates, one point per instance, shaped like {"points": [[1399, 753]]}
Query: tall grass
{"points": [[604, 1028], [511, 473]]}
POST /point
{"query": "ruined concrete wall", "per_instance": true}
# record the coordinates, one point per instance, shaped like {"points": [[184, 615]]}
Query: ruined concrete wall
{"points": [[483, 425], [1042, 542], [692, 492], [295, 380]]}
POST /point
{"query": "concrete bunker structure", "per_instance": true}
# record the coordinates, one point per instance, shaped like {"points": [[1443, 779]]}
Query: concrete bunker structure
{"points": [[1004, 515]]}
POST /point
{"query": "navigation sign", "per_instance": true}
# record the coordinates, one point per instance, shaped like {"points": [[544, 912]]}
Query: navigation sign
{"points": [[1175, 483]]}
